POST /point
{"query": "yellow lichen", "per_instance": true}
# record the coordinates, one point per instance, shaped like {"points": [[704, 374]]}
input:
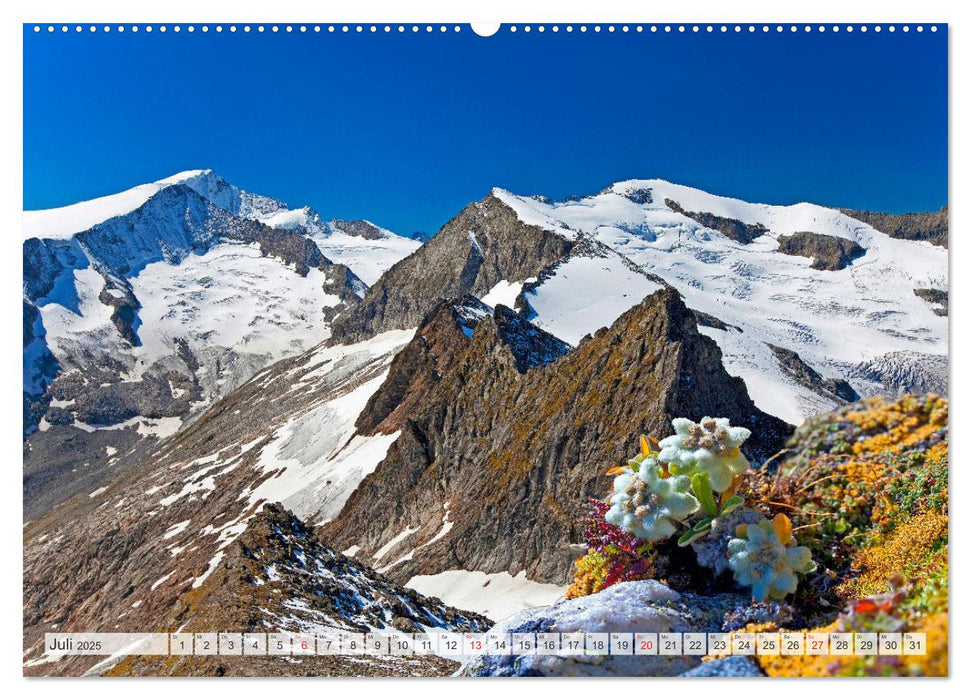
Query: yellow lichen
{"points": [[905, 550]]}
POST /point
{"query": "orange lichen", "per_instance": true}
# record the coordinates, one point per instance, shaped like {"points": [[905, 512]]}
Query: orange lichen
{"points": [[906, 550], [801, 665], [589, 577]]}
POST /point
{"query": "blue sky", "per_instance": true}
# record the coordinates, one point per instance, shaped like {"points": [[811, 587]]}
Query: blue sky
{"points": [[407, 129]]}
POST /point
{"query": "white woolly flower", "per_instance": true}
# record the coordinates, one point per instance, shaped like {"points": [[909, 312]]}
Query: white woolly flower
{"points": [[648, 506], [762, 561], [711, 446]]}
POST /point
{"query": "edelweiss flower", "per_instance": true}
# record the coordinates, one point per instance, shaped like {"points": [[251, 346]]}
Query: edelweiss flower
{"points": [[711, 446], [762, 560], [648, 506]]}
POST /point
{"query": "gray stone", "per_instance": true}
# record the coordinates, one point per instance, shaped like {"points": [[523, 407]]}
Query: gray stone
{"points": [[635, 606], [727, 667]]}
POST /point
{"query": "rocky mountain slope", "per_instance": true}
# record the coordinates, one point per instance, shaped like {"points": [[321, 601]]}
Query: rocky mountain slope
{"points": [[120, 558], [472, 254], [506, 432], [278, 576], [918, 226]]}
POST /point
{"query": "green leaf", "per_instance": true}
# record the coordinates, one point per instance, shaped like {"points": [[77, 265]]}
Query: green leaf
{"points": [[697, 532], [731, 504], [701, 485]]}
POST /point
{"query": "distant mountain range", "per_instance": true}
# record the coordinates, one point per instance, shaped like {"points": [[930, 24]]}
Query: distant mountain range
{"points": [[438, 409]]}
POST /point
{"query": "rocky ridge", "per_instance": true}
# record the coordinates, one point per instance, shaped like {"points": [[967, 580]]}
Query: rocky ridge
{"points": [[482, 246], [514, 453], [278, 576]]}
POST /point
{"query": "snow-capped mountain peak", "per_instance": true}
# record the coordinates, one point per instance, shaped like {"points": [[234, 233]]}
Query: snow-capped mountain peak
{"points": [[64, 222], [803, 277]]}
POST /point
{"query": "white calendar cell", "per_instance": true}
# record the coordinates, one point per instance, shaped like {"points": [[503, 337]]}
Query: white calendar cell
{"points": [[621, 643], [352, 643], [645, 644], [498, 643], [206, 643], [890, 643], [304, 645], [817, 644], [402, 644], [571, 644], [279, 643], [451, 644], [841, 644], [914, 643], [596, 644], [719, 643], [793, 643], [743, 643], [377, 643], [425, 644], [695, 644], [768, 644], [547, 643], [230, 644], [328, 644], [669, 643], [180, 643], [865, 643], [473, 644], [523, 643]]}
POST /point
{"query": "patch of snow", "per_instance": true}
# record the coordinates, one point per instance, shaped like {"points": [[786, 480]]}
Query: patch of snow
{"points": [[497, 595], [504, 292], [162, 580], [585, 294], [393, 542], [175, 530], [64, 222], [317, 461], [213, 563]]}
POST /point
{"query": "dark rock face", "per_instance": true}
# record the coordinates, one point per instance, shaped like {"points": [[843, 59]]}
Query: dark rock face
{"points": [[806, 376], [485, 244], [737, 230], [920, 226], [713, 322], [827, 252], [516, 449], [40, 367], [119, 296], [442, 339], [420, 366], [364, 229], [937, 297]]}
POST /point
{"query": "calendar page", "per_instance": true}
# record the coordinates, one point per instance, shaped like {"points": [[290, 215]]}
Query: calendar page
{"points": [[548, 349]]}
